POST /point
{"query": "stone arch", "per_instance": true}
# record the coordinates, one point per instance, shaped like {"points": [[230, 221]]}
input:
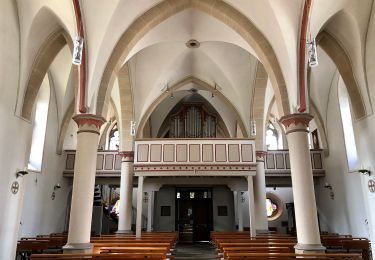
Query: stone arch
{"points": [[179, 84], [47, 53], [127, 108], [64, 127], [320, 125], [218, 9], [344, 65], [260, 87]]}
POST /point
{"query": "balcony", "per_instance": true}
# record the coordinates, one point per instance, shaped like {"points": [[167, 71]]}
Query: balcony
{"points": [[277, 163], [194, 157], [108, 163]]}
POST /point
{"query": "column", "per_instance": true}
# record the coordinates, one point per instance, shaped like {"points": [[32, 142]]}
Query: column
{"points": [[261, 221], [239, 211], [126, 192], [308, 234], [251, 206], [83, 182], [150, 210], [138, 228], [235, 204]]}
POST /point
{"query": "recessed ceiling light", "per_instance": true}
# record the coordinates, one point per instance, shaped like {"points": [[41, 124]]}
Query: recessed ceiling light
{"points": [[192, 44]]}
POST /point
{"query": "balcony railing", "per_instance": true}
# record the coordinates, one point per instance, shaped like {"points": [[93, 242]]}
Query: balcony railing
{"points": [[195, 157], [277, 163], [210, 157], [108, 163]]}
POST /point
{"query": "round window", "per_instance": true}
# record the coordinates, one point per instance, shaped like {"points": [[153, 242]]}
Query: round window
{"points": [[274, 207]]}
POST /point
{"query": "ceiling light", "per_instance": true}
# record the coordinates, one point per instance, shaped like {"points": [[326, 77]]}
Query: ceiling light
{"points": [[192, 43], [77, 50], [313, 56]]}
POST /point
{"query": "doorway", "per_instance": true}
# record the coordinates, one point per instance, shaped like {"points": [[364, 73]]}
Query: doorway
{"points": [[194, 216]]}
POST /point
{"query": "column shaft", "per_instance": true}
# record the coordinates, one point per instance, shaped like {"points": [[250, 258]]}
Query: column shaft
{"points": [[126, 193], [251, 206], [239, 211], [261, 221], [150, 210], [83, 182], [308, 234], [138, 228]]}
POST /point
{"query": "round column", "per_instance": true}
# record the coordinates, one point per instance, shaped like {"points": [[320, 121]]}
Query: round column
{"points": [[261, 221], [83, 181], [250, 190], [126, 192], [308, 234]]}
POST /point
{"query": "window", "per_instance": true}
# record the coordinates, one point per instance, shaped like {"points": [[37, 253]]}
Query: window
{"points": [[274, 207], [114, 138], [271, 208], [271, 137], [347, 124], [39, 128]]}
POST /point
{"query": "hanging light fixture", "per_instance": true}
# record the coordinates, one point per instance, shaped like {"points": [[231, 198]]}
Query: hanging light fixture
{"points": [[77, 50], [313, 56], [132, 127], [253, 128]]}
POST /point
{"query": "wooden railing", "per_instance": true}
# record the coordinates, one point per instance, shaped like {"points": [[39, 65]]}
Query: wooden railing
{"points": [[108, 163], [201, 156], [277, 163], [198, 156]]}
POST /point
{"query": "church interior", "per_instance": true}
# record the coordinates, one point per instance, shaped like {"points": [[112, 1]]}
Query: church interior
{"points": [[150, 129]]}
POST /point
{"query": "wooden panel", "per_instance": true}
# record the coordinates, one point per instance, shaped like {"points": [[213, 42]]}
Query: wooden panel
{"points": [[233, 152], [270, 161], [181, 153], [168, 153], [279, 161], [118, 162], [287, 161], [70, 158], [99, 161], [220, 153], [109, 158], [155, 153], [247, 152], [194, 153], [142, 154], [207, 153], [317, 159]]}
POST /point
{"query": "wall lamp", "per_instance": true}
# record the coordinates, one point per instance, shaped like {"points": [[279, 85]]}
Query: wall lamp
{"points": [[57, 186], [21, 173]]}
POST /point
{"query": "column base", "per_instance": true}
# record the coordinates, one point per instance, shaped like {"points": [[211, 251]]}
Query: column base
{"points": [[74, 248], [123, 232], [309, 248]]}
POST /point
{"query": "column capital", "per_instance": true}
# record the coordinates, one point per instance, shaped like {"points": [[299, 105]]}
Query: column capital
{"points": [[89, 123], [260, 156], [127, 156], [296, 122]]}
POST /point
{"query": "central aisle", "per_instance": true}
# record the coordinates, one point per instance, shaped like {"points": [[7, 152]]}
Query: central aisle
{"points": [[195, 251]]}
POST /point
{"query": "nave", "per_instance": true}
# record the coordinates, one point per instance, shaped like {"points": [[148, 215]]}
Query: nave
{"points": [[223, 245], [183, 118]]}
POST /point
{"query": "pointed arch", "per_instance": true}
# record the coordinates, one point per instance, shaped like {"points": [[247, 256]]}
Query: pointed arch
{"points": [[127, 108], [179, 84], [218, 9], [344, 65]]}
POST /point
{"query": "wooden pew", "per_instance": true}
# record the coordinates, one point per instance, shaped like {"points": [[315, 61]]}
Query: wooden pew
{"points": [[283, 256], [147, 256]]}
